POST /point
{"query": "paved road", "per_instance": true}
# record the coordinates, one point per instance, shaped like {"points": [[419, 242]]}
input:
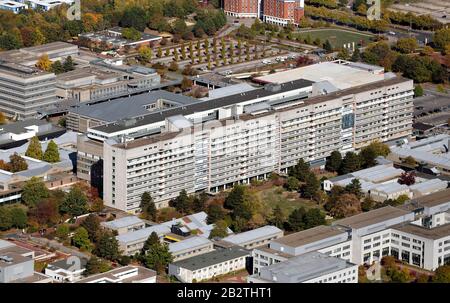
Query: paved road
{"points": [[58, 246]]}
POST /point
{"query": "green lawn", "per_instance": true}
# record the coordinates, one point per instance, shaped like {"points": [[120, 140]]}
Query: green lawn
{"points": [[337, 37], [277, 196]]}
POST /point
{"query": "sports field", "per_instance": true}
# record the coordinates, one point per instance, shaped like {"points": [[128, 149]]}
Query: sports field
{"points": [[338, 37]]}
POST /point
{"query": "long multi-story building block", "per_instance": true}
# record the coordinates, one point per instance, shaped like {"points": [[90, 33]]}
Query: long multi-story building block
{"points": [[279, 12], [242, 8], [24, 90], [283, 12], [212, 145]]}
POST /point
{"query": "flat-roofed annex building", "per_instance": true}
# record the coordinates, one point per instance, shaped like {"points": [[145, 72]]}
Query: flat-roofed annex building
{"points": [[313, 267]]}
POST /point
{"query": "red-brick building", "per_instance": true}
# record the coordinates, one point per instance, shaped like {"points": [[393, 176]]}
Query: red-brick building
{"points": [[283, 12], [242, 8]]}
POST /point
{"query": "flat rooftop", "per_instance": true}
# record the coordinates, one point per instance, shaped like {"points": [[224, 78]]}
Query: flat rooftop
{"points": [[205, 105], [122, 222], [212, 258], [254, 235], [190, 243], [372, 217], [428, 233], [342, 76], [129, 107], [113, 276], [303, 268], [310, 235], [431, 200]]}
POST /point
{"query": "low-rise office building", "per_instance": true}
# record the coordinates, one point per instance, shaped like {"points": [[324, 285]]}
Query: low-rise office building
{"points": [[190, 247], [126, 274], [124, 225], [66, 270], [132, 242], [103, 81], [210, 265], [113, 39], [15, 268], [255, 237], [313, 267]]}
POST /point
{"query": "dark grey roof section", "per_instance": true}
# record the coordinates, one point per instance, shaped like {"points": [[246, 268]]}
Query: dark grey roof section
{"points": [[66, 263], [212, 258], [208, 105], [128, 107]]}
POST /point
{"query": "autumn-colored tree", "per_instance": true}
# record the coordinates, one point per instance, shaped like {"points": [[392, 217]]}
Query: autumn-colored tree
{"points": [[17, 163], [407, 178], [51, 154], [34, 149], [346, 205], [2, 118], [44, 63]]}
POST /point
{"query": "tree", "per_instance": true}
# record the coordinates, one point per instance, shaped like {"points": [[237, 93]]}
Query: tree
{"points": [[75, 203], [327, 46], [406, 45], [34, 149], [107, 246], [410, 161], [18, 217], [148, 206], [407, 178], [2, 118], [354, 188], [219, 230], [151, 240], [278, 217], [442, 274], [346, 205], [235, 198], [159, 52], [95, 266], [134, 17], [62, 231], [311, 186], [17, 163], [92, 225], [145, 53], [367, 204], [334, 161], [356, 56], [44, 63], [199, 202], [80, 239], [173, 66], [295, 220], [182, 203], [34, 191], [350, 163], [313, 217], [51, 154], [367, 157], [418, 91], [300, 170], [158, 257], [45, 212], [343, 54], [441, 38], [215, 213], [186, 83], [292, 184], [5, 219], [57, 67]]}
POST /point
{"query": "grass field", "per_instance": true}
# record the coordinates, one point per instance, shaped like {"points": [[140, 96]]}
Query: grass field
{"points": [[337, 37], [277, 196]]}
